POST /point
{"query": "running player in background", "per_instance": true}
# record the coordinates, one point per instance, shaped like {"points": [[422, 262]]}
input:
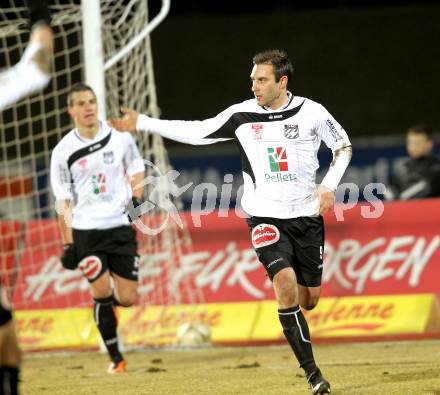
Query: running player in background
{"points": [[30, 75], [89, 169], [279, 135]]}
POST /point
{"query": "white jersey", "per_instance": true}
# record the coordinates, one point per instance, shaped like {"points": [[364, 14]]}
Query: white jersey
{"points": [[278, 148], [94, 175], [22, 79]]}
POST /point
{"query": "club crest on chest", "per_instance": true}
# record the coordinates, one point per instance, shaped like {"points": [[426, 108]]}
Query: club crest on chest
{"points": [[109, 157], [291, 131]]}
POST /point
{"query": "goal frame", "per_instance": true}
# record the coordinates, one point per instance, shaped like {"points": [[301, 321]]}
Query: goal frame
{"points": [[94, 65]]}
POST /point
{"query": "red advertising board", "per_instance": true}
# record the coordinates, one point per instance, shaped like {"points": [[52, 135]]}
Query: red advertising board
{"points": [[396, 253]]}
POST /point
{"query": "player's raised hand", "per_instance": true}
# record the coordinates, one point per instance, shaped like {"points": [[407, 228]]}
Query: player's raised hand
{"points": [[38, 12], [326, 199], [128, 121], [41, 33]]}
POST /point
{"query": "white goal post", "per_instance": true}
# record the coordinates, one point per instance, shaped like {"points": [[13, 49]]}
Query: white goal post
{"points": [[93, 49]]}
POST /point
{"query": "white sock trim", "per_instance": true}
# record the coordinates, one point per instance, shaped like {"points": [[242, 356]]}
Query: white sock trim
{"points": [[300, 329], [292, 312]]}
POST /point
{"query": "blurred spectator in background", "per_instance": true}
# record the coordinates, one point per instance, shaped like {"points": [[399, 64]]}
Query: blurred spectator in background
{"points": [[419, 176]]}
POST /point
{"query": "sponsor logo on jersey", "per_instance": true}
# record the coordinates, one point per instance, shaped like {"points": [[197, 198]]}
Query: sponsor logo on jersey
{"points": [[98, 183], [257, 128], [278, 159], [264, 235], [109, 157], [91, 267], [333, 130], [291, 131], [280, 177]]}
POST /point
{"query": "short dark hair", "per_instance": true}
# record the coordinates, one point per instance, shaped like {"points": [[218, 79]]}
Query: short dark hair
{"points": [[278, 59], [78, 87], [421, 128]]}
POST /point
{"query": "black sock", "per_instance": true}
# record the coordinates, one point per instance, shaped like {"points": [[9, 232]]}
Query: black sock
{"points": [[9, 380], [106, 321], [296, 330]]}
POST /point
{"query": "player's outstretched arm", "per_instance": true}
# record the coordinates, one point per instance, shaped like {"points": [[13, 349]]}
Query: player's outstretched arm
{"points": [[128, 121], [38, 13], [188, 132], [32, 73]]}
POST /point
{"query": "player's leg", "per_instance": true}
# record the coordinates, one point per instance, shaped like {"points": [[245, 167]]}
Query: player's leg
{"points": [[307, 235], [10, 359], [10, 354], [95, 269], [125, 291], [275, 251], [292, 320], [124, 271], [308, 239], [95, 266], [105, 316], [123, 266]]}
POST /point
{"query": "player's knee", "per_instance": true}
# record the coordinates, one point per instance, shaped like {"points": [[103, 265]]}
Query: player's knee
{"points": [[126, 301], [286, 288], [309, 300], [127, 298], [310, 303], [286, 300]]}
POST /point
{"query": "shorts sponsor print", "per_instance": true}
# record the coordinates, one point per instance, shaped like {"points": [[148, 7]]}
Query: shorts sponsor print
{"points": [[264, 235], [91, 267]]}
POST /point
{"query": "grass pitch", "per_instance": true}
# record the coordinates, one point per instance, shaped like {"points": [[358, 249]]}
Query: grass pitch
{"points": [[365, 368]]}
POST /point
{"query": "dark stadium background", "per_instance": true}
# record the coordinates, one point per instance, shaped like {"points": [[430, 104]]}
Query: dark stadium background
{"points": [[373, 64]]}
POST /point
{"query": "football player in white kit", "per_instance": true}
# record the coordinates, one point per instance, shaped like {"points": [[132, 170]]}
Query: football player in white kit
{"points": [[278, 135], [31, 74], [94, 171]]}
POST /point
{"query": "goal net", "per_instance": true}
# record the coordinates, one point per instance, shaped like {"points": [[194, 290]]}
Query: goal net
{"points": [[52, 305]]}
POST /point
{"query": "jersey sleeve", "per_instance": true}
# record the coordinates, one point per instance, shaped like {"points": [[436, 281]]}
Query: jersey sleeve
{"points": [[330, 131], [208, 131], [336, 138], [133, 161], [60, 178], [22, 79]]}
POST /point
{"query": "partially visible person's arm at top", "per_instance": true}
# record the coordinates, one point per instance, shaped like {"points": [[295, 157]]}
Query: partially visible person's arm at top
{"points": [[32, 72]]}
